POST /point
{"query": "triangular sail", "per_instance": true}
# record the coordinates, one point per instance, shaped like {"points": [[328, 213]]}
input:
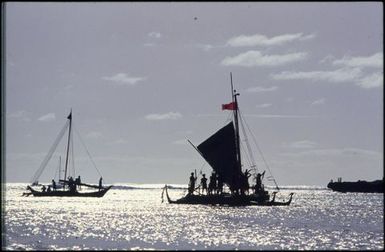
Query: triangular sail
{"points": [[219, 151]]}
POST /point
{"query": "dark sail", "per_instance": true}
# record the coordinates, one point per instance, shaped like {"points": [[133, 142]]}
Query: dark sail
{"points": [[219, 150]]}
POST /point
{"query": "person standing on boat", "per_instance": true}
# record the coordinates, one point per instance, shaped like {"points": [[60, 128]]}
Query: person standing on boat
{"points": [[100, 183], [43, 188], [78, 181], [204, 183], [191, 185], [53, 185], [258, 185], [212, 183]]}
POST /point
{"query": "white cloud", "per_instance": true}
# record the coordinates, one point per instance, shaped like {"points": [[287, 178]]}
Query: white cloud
{"points": [[264, 105], [278, 116], [371, 81], [318, 102], [47, 118], [262, 40], [261, 89], [337, 152], [347, 74], [180, 142], [166, 116], [94, 135], [154, 35], [256, 58], [119, 141], [339, 75], [123, 79], [21, 115], [376, 60]]}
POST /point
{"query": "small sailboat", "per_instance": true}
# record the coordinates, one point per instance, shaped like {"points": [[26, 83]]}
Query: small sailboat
{"points": [[66, 186], [222, 151]]}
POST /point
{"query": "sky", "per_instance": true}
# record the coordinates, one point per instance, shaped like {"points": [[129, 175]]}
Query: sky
{"points": [[141, 78]]}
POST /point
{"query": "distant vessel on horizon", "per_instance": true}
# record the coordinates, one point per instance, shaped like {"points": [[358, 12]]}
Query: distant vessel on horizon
{"points": [[222, 151], [376, 186]]}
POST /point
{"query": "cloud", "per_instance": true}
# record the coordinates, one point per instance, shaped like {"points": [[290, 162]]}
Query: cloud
{"points": [[94, 135], [256, 58], [339, 75], [278, 116], [350, 152], [123, 79], [180, 142], [154, 35], [119, 141], [304, 144], [21, 115], [376, 60], [264, 105], [371, 81], [47, 118], [261, 89], [166, 116], [318, 102], [347, 74], [262, 40]]}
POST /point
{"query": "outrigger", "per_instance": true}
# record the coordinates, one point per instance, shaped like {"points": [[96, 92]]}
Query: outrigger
{"points": [[222, 152]]}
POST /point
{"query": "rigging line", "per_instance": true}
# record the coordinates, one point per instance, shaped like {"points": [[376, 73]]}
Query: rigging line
{"points": [[43, 165], [72, 153], [88, 152], [260, 152], [254, 164]]}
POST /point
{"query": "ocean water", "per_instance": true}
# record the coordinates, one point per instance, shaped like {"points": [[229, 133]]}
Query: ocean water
{"points": [[132, 216]]}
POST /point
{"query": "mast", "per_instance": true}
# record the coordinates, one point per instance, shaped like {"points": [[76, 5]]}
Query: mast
{"points": [[237, 142], [68, 145]]}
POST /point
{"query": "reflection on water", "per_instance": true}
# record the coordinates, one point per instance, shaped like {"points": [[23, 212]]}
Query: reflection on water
{"points": [[133, 217]]}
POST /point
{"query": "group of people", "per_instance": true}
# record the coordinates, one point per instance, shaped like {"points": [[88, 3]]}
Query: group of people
{"points": [[240, 184], [73, 185]]}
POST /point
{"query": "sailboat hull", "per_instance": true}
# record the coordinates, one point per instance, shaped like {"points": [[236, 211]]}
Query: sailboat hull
{"points": [[58, 193], [228, 199]]}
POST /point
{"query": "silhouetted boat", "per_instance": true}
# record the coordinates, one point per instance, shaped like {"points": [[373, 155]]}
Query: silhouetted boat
{"points": [[65, 187], [376, 186], [222, 152]]}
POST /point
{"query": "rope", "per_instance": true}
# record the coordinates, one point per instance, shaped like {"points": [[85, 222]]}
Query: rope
{"points": [[88, 152], [263, 158]]}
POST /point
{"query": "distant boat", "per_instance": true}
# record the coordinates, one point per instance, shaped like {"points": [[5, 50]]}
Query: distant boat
{"points": [[376, 186], [222, 151], [65, 187]]}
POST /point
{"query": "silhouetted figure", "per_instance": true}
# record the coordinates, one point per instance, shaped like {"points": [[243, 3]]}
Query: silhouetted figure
{"points": [[258, 185], [245, 182], [212, 183], [191, 184], [204, 183], [71, 184], [53, 185], [100, 183], [43, 188], [49, 189], [78, 182], [219, 184]]}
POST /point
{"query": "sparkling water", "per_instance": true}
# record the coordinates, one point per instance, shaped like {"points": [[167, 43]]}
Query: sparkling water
{"points": [[132, 216]]}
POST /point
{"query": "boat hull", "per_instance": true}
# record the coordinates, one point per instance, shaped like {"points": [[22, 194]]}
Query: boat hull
{"points": [[228, 200], [59, 193], [359, 186]]}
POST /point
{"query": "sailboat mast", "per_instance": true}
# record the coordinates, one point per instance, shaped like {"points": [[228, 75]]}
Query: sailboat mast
{"points": [[237, 142], [68, 144]]}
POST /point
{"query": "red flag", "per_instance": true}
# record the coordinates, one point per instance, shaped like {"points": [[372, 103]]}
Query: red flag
{"points": [[229, 106]]}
